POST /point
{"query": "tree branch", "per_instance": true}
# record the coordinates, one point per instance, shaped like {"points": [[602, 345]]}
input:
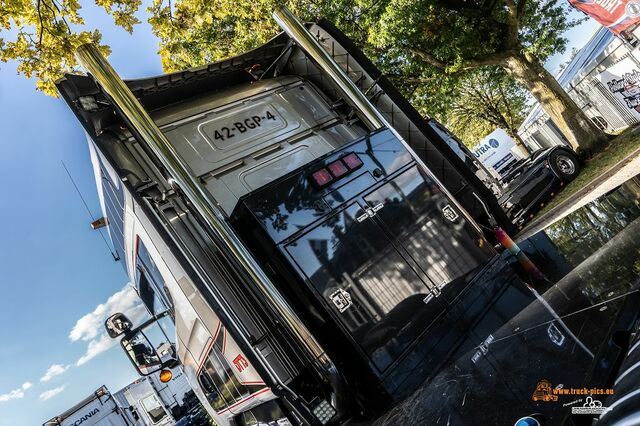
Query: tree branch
{"points": [[521, 6], [410, 79], [497, 58], [456, 5], [41, 29], [513, 22]]}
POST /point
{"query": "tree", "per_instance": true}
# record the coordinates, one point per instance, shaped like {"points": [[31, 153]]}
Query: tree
{"points": [[517, 35], [419, 39], [45, 33], [411, 38], [572, 55], [471, 104], [487, 99], [197, 32], [42, 35]]}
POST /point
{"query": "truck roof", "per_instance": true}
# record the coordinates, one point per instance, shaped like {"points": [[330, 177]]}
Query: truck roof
{"points": [[102, 390]]}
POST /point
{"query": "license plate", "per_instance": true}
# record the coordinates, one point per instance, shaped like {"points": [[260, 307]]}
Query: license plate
{"points": [[251, 124]]}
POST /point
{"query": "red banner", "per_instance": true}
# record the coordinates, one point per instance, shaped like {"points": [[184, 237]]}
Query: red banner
{"points": [[617, 15]]}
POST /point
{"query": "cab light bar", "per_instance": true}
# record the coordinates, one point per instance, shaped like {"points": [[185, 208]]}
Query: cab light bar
{"points": [[335, 170], [322, 177]]}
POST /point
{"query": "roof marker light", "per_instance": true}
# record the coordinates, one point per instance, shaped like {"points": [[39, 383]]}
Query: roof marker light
{"points": [[352, 161], [337, 168], [321, 177]]}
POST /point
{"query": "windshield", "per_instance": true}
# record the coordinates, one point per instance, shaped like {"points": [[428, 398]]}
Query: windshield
{"points": [[454, 144]]}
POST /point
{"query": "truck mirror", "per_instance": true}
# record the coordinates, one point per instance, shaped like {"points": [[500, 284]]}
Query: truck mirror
{"points": [[117, 324], [141, 353]]}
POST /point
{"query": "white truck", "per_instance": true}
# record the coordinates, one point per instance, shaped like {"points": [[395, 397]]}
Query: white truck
{"points": [[100, 408], [298, 223], [148, 401]]}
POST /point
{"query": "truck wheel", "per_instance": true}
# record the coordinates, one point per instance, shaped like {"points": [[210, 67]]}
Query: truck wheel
{"points": [[565, 165]]}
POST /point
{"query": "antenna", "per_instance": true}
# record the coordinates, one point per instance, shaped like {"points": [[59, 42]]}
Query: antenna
{"points": [[114, 255]]}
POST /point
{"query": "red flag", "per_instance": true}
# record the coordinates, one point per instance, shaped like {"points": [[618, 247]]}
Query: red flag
{"points": [[617, 15]]}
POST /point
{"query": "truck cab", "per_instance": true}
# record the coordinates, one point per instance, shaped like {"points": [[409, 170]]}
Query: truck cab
{"points": [[302, 229]]}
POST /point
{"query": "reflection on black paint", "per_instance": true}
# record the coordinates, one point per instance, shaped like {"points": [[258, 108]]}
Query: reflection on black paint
{"points": [[393, 261], [582, 232], [563, 335]]}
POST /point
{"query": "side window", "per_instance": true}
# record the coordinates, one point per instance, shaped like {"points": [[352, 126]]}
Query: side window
{"points": [[151, 285], [153, 407], [219, 383]]}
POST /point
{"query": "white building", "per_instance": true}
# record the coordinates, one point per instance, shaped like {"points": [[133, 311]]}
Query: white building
{"points": [[602, 80]]}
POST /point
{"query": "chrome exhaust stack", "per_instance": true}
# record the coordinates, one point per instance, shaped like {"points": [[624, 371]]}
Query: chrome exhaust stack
{"points": [[141, 123], [347, 88], [368, 113]]}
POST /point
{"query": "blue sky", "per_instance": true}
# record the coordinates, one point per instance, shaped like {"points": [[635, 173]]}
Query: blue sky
{"points": [[58, 280], [55, 269]]}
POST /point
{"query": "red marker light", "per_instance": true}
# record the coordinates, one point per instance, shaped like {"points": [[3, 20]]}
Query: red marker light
{"points": [[321, 177], [337, 168], [352, 161]]}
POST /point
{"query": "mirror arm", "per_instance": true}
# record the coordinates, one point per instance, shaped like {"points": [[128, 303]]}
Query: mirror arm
{"points": [[153, 319], [171, 363]]}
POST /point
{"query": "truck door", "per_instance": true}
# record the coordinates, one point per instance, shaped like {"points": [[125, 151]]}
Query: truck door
{"points": [[374, 290], [438, 242]]}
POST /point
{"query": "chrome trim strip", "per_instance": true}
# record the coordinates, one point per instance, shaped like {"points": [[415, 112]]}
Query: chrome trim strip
{"points": [[618, 402], [634, 347], [627, 371]]}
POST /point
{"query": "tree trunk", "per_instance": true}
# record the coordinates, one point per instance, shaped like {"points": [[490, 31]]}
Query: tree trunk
{"points": [[517, 139], [513, 133], [583, 135]]}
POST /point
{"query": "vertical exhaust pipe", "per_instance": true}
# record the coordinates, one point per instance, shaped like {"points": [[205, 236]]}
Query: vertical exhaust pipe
{"points": [[368, 113], [137, 117], [347, 88]]}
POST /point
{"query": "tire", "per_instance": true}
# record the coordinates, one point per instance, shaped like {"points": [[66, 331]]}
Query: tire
{"points": [[564, 164]]}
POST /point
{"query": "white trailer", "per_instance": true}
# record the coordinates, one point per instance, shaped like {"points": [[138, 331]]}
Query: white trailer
{"points": [[100, 408], [497, 152]]}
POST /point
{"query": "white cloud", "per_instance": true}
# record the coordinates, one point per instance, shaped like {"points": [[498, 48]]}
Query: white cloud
{"points": [[90, 328], [53, 371], [51, 393], [16, 393], [96, 347]]}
